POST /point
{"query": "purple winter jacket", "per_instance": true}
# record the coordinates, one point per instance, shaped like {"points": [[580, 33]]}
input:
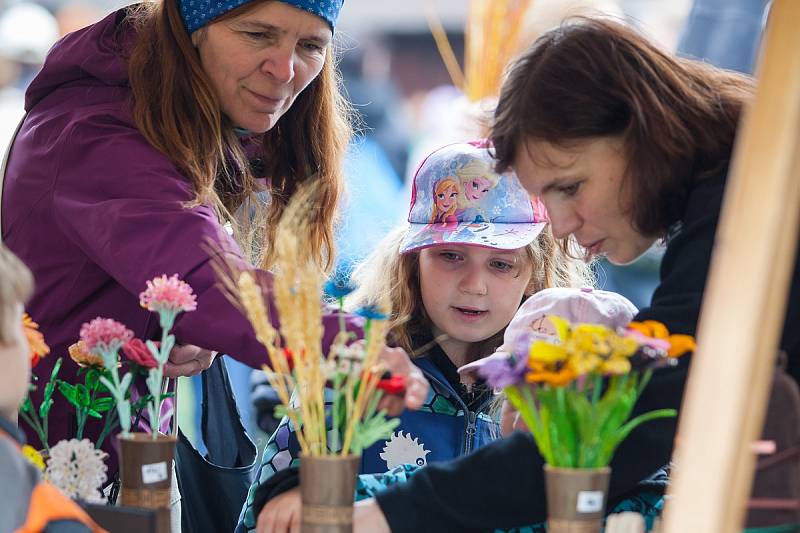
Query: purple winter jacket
{"points": [[95, 211]]}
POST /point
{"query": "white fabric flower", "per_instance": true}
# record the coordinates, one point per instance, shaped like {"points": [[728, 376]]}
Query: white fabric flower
{"points": [[77, 469]]}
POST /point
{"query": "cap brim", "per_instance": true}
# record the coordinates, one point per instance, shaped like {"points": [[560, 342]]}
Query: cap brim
{"points": [[504, 236]]}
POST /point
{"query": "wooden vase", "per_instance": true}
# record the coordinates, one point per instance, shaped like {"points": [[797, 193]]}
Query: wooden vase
{"points": [[576, 499], [146, 470], [327, 487]]}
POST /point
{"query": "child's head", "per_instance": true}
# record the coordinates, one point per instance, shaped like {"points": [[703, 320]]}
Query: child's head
{"points": [[16, 285], [467, 278]]}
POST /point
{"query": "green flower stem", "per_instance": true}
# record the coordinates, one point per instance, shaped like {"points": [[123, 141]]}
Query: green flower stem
{"points": [[83, 414], [45, 431], [108, 426], [33, 421]]}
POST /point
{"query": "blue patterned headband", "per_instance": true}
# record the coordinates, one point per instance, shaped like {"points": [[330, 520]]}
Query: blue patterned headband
{"points": [[198, 13]]}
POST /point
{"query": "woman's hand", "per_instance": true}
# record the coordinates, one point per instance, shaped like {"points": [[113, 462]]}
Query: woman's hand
{"points": [[396, 361], [281, 514], [188, 360]]}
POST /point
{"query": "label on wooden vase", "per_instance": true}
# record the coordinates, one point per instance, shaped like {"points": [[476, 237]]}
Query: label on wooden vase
{"points": [[153, 473], [590, 501]]}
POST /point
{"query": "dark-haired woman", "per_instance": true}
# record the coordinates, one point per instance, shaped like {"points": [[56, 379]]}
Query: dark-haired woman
{"points": [[626, 146]]}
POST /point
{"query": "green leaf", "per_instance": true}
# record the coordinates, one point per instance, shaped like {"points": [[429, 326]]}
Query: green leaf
{"points": [[612, 443], [44, 408], [108, 385], [83, 395], [56, 368], [103, 404], [68, 391], [372, 429], [92, 380], [126, 381]]}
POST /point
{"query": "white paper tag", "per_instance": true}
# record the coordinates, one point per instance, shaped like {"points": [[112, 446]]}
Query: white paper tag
{"points": [[590, 501], [153, 473]]}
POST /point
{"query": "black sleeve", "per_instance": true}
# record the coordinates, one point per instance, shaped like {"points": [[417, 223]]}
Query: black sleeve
{"points": [[500, 485]]}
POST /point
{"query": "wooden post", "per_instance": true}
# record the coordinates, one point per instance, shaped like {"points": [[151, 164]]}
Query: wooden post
{"points": [[744, 303]]}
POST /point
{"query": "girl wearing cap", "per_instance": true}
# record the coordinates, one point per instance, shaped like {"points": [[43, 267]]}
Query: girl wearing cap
{"points": [[148, 131], [452, 297], [635, 148]]}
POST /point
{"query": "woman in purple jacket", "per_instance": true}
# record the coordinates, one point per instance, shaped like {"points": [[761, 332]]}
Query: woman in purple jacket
{"points": [[148, 131]]}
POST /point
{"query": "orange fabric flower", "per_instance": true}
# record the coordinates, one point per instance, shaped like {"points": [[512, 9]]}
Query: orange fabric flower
{"points": [[83, 357], [35, 340], [681, 344]]}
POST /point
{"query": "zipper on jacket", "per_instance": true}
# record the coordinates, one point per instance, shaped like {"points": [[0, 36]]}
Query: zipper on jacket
{"points": [[470, 431]]}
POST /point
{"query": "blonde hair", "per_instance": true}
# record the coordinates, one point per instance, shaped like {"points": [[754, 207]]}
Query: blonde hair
{"points": [[441, 186], [16, 286], [173, 95], [386, 274]]}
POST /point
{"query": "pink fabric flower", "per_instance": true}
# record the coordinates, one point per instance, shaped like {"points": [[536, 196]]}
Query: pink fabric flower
{"points": [[138, 352], [168, 293], [103, 333]]}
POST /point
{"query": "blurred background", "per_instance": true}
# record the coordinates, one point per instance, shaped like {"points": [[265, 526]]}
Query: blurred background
{"points": [[412, 97]]}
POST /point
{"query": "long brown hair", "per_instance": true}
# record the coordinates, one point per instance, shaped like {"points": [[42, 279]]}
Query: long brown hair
{"points": [[386, 275], [599, 78], [178, 112]]}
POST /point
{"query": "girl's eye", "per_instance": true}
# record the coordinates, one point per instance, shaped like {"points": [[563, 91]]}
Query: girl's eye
{"points": [[502, 266], [571, 190], [440, 196], [453, 194], [449, 256]]}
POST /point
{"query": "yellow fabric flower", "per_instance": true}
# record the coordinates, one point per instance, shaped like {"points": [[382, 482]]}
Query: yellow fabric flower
{"points": [[615, 365], [584, 362], [562, 326], [30, 453], [544, 352], [83, 357]]}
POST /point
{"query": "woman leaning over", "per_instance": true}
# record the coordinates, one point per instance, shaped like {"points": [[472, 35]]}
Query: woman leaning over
{"points": [[626, 146]]}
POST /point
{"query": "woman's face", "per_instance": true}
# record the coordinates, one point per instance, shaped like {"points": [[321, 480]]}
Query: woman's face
{"points": [[261, 60], [581, 188]]}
